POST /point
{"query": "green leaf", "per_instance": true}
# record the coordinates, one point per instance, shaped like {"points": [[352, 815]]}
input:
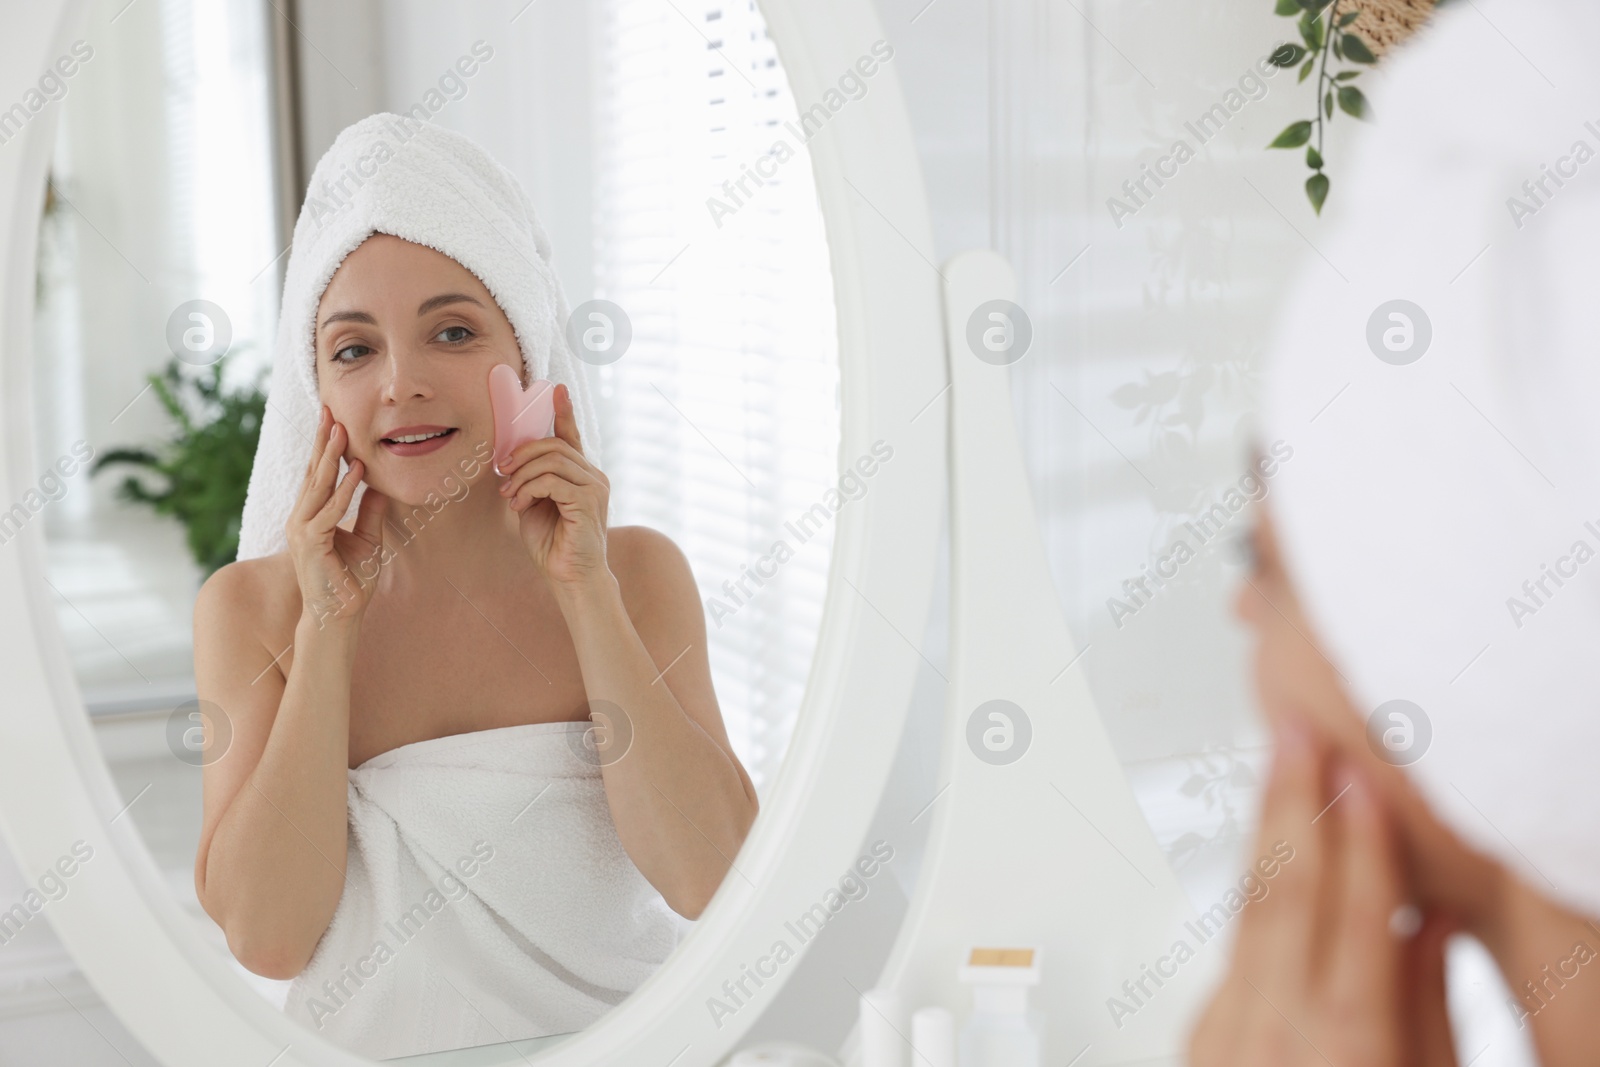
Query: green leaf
{"points": [[1293, 136], [1352, 102], [1336, 53], [1311, 31], [1345, 20], [1327, 104], [1313, 157], [1356, 50], [198, 475], [1317, 190], [1287, 7], [1346, 75], [1305, 68], [141, 457], [1286, 55]]}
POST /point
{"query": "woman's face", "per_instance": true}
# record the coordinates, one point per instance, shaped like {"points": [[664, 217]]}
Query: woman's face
{"points": [[405, 339], [1293, 677]]}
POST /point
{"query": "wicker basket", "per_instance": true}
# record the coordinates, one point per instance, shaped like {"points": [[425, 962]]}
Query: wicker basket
{"points": [[1382, 24]]}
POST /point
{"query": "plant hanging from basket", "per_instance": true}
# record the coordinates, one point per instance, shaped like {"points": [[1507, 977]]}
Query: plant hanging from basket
{"points": [[1359, 34]]}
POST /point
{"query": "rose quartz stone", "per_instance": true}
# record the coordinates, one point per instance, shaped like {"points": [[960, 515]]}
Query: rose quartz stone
{"points": [[519, 415]]}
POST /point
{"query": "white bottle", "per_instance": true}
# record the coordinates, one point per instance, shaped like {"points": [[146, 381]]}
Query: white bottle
{"points": [[933, 1038], [1002, 1031], [882, 1022]]}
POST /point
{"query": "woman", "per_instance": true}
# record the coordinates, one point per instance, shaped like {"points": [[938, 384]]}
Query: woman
{"points": [[1426, 621], [408, 817]]}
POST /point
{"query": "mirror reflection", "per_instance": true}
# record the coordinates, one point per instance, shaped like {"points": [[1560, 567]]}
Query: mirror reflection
{"points": [[452, 485]]}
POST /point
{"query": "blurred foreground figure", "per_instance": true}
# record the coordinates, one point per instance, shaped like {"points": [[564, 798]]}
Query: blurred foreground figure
{"points": [[1425, 601]]}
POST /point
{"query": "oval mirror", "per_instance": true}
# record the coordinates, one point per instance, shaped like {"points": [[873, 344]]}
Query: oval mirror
{"points": [[773, 507]]}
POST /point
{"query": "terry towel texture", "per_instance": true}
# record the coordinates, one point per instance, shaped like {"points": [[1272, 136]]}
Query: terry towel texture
{"points": [[486, 898]]}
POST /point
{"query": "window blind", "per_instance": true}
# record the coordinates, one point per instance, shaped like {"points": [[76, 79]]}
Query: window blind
{"points": [[722, 417]]}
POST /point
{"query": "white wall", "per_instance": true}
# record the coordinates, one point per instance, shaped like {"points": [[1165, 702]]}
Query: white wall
{"points": [[1030, 116]]}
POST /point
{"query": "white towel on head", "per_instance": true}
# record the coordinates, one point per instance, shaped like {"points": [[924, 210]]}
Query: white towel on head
{"points": [[1427, 504], [391, 174], [486, 899]]}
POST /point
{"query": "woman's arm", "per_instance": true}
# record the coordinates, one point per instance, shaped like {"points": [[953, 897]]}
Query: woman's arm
{"points": [[681, 801], [270, 866], [1549, 958]]}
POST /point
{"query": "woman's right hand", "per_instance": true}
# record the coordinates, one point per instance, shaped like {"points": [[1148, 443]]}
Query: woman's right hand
{"points": [[1533, 938], [337, 568], [1318, 974]]}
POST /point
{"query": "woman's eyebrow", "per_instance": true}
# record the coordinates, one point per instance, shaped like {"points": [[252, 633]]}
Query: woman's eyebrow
{"points": [[447, 298], [349, 316], [427, 305]]}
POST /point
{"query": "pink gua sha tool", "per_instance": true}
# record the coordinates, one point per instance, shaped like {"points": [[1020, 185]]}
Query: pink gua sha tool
{"points": [[519, 416]]}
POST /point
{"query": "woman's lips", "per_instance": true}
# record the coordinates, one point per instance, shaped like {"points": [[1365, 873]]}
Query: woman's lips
{"points": [[418, 448]]}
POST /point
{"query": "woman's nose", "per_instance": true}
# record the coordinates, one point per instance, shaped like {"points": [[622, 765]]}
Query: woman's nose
{"points": [[406, 374]]}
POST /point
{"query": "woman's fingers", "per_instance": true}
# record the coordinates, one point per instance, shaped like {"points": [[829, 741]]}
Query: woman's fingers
{"points": [[547, 487], [1364, 981], [549, 453], [339, 502], [320, 441], [317, 443], [323, 477], [1445, 873], [319, 446], [1277, 935], [1318, 973], [552, 463], [1432, 1041]]}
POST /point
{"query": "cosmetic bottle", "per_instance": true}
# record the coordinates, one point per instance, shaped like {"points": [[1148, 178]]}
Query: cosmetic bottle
{"points": [[882, 1022], [933, 1038], [1002, 1030]]}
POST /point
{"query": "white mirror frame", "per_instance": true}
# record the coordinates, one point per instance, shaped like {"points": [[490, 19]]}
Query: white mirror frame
{"points": [[119, 920]]}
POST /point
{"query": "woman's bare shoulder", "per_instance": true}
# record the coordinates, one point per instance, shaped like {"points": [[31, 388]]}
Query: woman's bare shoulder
{"points": [[636, 548], [652, 572], [263, 590]]}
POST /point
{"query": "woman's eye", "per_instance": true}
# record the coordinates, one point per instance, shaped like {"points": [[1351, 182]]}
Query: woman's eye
{"points": [[453, 334], [357, 351]]}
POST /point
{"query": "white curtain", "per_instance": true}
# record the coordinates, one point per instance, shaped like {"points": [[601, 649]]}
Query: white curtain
{"points": [[724, 411], [162, 180]]}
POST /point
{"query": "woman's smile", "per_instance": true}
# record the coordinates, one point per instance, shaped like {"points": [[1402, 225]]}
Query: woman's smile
{"points": [[417, 440]]}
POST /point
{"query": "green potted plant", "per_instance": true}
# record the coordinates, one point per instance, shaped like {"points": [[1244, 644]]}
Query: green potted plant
{"points": [[205, 463]]}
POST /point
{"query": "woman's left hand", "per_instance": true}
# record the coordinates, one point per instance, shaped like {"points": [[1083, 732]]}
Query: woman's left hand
{"points": [[562, 498]]}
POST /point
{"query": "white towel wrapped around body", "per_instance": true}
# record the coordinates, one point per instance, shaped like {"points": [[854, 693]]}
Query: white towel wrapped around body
{"points": [[487, 898]]}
